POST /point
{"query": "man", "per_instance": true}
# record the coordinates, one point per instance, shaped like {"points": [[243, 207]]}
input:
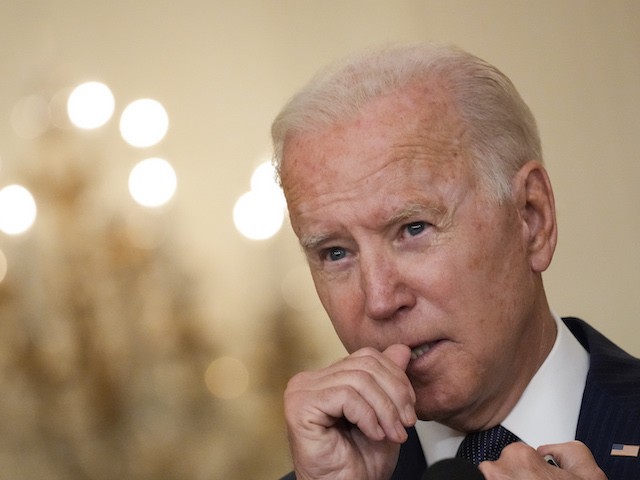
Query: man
{"points": [[415, 184]]}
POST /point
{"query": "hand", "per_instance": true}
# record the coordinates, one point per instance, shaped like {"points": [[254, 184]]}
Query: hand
{"points": [[519, 461], [348, 420]]}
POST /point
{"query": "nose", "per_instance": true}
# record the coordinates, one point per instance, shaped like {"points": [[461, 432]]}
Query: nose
{"points": [[385, 291]]}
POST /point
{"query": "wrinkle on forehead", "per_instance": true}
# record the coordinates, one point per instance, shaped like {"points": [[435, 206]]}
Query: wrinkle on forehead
{"points": [[423, 158], [430, 179]]}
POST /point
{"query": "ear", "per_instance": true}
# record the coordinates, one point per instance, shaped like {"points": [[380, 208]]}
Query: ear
{"points": [[536, 205]]}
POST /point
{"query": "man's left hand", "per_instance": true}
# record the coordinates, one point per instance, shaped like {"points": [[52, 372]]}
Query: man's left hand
{"points": [[519, 461]]}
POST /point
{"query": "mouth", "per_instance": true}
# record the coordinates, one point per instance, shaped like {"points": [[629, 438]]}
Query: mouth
{"points": [[420, 350]]}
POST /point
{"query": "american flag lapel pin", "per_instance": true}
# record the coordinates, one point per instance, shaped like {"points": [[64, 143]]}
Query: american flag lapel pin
{"points": [[622, 450]]}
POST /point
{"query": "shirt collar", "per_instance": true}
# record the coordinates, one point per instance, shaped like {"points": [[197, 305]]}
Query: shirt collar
{"points": [[547, 411]]}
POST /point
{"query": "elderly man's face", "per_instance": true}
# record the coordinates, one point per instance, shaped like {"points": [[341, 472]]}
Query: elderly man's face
{"points": [[404, 247]]}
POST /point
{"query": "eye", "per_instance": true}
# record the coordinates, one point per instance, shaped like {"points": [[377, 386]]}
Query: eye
{"points": [[333, 254], [415, 228]]}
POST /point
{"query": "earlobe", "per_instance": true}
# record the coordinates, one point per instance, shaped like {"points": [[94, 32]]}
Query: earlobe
{"points": [[537, 209]]}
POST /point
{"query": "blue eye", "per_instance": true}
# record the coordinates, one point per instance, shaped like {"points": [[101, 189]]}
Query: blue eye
{"points": [[415, 228], [334, 254]]}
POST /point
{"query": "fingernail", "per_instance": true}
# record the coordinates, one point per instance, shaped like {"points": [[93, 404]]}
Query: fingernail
{"points": [[402, 432], [410, 415]]}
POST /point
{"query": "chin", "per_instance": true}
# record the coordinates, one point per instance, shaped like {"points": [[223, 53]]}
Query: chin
{"points": [[442, 406]]}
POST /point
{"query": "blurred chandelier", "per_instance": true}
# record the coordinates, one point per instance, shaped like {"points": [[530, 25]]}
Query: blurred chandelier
{"points": [[90, 105]]}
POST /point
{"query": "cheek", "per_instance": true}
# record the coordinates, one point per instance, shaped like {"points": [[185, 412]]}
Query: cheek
{"points": [[493, 265], [444, 279]]}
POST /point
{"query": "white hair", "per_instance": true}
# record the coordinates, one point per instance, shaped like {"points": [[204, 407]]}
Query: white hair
{"points": [[500, 129]]}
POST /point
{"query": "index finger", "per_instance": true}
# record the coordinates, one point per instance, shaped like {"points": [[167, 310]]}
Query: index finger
{"points": [[394, 382]]}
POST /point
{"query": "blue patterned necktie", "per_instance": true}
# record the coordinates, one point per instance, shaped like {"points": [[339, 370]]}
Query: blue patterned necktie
{"points": [[486, 445]]}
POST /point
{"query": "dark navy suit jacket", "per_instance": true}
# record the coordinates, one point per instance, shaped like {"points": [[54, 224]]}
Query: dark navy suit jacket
{"points": [[610, 411]]}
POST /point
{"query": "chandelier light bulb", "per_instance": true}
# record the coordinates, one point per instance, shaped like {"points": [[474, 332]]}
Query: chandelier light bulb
{"points": [[144, 123], [17, 210], [152, 182], [90, 105]]}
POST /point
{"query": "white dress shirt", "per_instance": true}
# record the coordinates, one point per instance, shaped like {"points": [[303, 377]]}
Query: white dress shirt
{"points": [[547, 411]]}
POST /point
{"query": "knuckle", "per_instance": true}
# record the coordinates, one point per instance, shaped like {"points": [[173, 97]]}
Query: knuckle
{"points": [[366, 356], [360, 377], [520, 448], [297, 381], [369, 362]]}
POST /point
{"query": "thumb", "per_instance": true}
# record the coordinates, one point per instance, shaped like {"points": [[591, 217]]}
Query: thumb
{"points": [[398, 354]]}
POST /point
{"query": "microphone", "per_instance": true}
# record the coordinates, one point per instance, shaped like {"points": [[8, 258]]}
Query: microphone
{"points": [[452, 469]]}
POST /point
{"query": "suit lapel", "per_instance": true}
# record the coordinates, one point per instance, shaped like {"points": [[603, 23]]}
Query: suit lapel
{"points": [[610, 411]]}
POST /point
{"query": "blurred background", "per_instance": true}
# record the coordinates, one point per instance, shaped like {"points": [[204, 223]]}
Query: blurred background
{"points": [[153, 301]]}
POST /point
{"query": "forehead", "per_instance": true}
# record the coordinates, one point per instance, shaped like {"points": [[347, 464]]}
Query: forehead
{"points": [[409, 132]]}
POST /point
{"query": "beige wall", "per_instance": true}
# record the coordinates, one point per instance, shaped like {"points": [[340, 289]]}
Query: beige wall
{"points": [[223, 68]]}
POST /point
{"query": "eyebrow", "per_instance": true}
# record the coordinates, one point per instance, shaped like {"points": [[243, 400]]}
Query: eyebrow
{"points": [[414, 210], [311, 242], [409, 211]]}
